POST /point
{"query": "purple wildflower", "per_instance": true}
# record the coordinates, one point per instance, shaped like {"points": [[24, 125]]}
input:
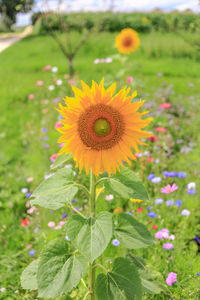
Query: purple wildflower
{"points": [[178, 203], [67, 238], [151, 176], [169, 202], [156, 179], [152, 214], [115, 242], [182, 174], [32, 252], [158, 201], [28, 195], [64, 216], [128, 213], [168, 246], [185, 212]]}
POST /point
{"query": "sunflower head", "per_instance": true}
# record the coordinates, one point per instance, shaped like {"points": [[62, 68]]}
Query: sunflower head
{"points": [[101, 128], [127, 41]]}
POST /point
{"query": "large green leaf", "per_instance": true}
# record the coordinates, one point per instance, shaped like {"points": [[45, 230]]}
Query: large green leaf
{"points": [[149, 278], [150, 286], [91, 236], [55, 191], [131, 233], [29, 276], [61, 159], [132, 180], [114, 185], [122, 283], [58, 271]]}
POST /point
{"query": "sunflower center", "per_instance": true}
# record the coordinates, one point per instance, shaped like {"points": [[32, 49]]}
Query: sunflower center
{"points": [[127, 41], [102, 127]]}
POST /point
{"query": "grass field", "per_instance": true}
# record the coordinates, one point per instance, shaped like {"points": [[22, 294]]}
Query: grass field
{"points": [[23, 154]]}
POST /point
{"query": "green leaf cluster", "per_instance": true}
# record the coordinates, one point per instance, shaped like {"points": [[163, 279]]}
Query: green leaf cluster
{"points": [[57, 271], [60, 268], [56, 191], [127, 184]]}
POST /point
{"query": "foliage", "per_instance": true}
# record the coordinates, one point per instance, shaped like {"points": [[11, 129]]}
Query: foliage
{"points": [[10, 8], [141, 22]]}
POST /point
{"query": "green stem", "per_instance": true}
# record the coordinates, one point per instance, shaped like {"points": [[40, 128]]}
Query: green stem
{"points": [[101, 180], [82, 187], [76, 210], [92, 206]]}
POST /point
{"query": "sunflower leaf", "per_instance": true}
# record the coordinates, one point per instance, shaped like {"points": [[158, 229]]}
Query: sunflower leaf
{"points": [[91, 236], [149, 278], [59, 271], [123, 282], [56, 191], [132, 180], [29, 276], [115, 186], [61, 159], [131, 233]]}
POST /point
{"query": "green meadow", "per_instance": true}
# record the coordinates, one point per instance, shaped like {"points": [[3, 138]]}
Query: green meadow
{"points": [[165, 68]]}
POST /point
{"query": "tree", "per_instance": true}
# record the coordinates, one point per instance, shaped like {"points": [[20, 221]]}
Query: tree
{"points": [[10, 8]]}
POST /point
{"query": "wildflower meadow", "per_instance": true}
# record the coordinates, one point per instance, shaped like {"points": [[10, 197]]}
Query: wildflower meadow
{"points": [[99, 158]]}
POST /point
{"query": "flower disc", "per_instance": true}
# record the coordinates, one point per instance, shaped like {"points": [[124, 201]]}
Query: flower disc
{"points": [[91, 118], [127, 41], [100, 129]]}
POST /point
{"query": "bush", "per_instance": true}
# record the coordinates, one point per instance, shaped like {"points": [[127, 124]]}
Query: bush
{"points": [[140, 22], [35, 17]]}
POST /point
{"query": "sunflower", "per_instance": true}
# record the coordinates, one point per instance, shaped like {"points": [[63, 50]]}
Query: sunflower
{"points": [[100, 129], [127, 41]]}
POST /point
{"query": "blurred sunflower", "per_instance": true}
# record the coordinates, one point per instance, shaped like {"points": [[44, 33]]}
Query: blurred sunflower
{"points": [[127, 41], [100, 129]]}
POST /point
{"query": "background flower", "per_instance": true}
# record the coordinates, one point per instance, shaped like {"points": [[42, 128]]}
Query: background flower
{"points": [[171, 278]]}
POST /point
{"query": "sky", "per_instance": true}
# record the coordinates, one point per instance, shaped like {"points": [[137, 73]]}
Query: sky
{"points": [[102, 5]]}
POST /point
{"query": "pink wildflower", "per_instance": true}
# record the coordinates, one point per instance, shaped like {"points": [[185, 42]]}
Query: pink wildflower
{"points": [[48, 67], [28, 203], [153, 138], [162, 234], [169, 189], [129, 79], [31, 210], [44, 111], [58, 125], [51, 224], [161, 129], [171, 278], [61, 145], [71, 81], [53, 157], [62, 223], [40, 82], [29, 179], [168, 246], [165, 105], [31, 96]]}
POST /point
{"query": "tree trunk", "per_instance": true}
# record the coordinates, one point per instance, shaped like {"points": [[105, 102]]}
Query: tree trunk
{"points": [[71, 67]]}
